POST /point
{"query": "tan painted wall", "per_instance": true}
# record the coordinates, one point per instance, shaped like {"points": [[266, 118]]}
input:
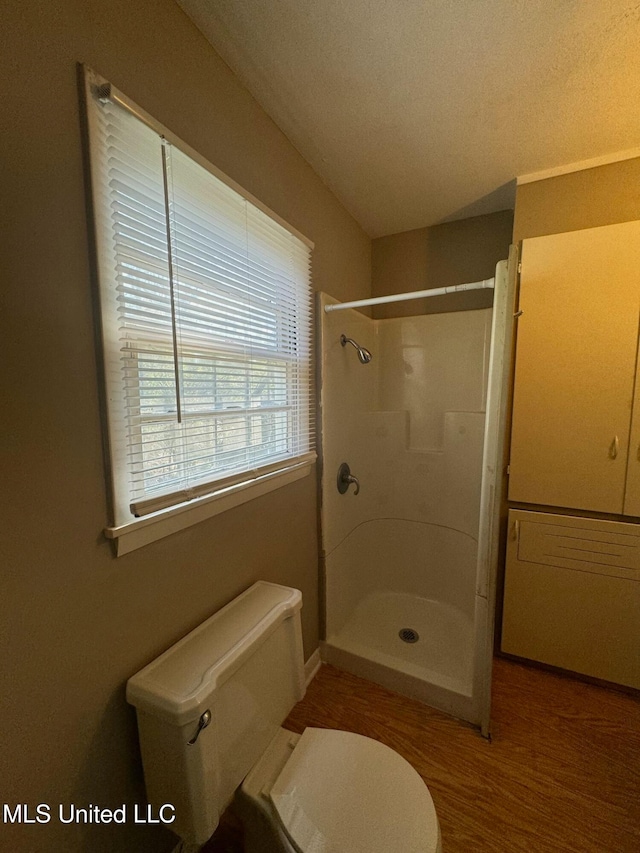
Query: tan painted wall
{"points": [[440, 256], [601, 196], [75, 621]]}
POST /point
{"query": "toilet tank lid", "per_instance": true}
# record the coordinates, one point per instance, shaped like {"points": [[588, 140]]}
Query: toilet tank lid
{"points": [[176, 685]]}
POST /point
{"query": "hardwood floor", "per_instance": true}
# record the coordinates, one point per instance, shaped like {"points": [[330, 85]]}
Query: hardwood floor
{"points": [[562, 772]]}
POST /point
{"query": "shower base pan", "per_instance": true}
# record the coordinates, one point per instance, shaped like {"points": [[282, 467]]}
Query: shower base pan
{"points": [[414, 646]]}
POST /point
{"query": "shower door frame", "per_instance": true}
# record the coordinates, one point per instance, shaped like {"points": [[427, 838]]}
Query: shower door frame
{"points": [[493, 482]]}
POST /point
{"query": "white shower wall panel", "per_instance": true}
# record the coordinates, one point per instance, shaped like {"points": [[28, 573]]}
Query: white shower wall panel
{"points": [[430, 472], [348, 395], [438, 486], [433, 364]]}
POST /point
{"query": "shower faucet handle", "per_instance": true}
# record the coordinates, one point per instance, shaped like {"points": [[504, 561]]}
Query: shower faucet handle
{"points": [[346, 478]]}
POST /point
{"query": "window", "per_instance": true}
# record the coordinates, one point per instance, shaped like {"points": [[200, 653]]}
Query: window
{"points": [[206, 321]]}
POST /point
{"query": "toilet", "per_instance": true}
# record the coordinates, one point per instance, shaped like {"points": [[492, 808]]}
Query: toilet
{"points": [[210, 711]]}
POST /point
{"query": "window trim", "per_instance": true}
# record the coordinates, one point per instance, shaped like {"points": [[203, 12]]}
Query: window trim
{"points": [[156, 525], [164, 522]]}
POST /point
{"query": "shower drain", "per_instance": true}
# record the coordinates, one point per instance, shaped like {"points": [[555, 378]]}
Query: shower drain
{"points": [[408, 635]]}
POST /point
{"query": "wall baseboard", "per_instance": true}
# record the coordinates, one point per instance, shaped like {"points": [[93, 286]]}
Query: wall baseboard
{"points": [[312, 666]]}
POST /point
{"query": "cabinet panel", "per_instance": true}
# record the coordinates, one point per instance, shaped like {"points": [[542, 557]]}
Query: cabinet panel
{"points": [[585, 621], [632, 487], [600, 547], [575, 367]]}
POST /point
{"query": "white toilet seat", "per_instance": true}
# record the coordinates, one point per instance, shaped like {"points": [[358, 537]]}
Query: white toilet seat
{"points": [[340, 792]]}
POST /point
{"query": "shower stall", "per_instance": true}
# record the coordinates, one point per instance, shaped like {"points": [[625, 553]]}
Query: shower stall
{"points": [[412, 414]]}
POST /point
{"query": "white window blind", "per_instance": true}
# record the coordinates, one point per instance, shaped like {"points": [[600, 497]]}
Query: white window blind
{"points": [[206, 317]]}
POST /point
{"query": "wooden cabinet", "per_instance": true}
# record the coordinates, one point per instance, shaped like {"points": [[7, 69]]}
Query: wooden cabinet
{"points": [[576, 432], [572, 594], [572, 585]]}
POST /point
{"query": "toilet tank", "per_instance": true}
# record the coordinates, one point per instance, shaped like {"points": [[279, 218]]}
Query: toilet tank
{"points": [[245, 666]]}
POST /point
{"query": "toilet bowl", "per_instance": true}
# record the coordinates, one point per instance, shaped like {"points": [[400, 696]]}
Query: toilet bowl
{"points": [[209, 715], [335, 792]]}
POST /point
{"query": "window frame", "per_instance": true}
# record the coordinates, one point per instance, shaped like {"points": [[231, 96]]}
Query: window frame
{"points": [[127, 531]]}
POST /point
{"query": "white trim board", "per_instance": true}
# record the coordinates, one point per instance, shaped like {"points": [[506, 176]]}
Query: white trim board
{"points": [[604, 160], [311, 667], [163, 523]]}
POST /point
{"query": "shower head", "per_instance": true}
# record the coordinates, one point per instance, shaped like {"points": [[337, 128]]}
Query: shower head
{"points": [[363, 354]]}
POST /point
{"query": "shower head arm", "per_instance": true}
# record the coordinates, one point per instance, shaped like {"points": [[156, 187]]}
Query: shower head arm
{"points": [[344, 340]]}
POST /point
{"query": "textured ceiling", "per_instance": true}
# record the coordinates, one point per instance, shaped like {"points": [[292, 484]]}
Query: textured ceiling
{"points": [[418, 111]]}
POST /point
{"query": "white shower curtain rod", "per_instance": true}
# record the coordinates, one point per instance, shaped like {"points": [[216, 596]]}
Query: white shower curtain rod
{"points": [[416, 294]]}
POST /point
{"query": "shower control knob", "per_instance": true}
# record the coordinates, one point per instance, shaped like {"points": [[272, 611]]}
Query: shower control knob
{"points": [[346, 478]]}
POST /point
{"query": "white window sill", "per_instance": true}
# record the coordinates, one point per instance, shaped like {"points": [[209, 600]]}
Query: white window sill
{"points": [[142, 531]]}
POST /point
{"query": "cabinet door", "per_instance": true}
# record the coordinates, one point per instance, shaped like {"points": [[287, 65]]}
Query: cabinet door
{"points": [[632, 489], [575, 368], [572, 594]]}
